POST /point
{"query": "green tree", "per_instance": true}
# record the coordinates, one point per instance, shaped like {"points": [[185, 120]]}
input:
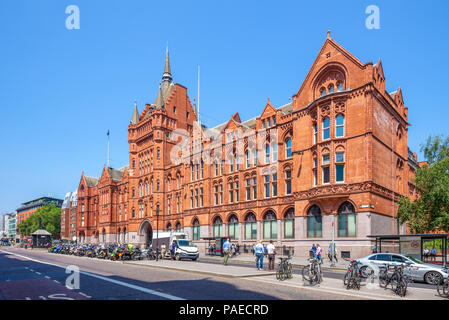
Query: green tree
{"points": [[47, 217], [430, 211]]}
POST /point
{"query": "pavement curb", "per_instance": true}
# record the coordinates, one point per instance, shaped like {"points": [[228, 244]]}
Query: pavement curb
{"points": [[293, 264], [224, 275]]}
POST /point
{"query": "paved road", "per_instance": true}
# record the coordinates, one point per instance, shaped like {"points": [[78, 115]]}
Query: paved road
{"points": [[31, 275]]}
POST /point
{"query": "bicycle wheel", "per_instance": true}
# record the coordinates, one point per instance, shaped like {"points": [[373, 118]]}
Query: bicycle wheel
{"points": [[278, 272], [395, 283], [306, 274], [346, 278], [282, 274], [383, 282], [443, 289], [289, 271]]}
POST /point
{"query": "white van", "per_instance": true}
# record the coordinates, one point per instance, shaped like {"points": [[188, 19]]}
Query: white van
{"points": [[185, 248]]}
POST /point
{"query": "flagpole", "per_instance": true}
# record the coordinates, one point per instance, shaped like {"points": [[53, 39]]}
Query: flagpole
{"points": [[108, 149], [199, 96]]}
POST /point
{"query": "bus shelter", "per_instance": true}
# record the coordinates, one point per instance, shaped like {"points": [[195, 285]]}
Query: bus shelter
{"points": [[217, 243], [416, 245]]}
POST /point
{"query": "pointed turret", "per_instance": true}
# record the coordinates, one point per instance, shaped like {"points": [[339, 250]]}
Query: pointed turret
{"points": [[135, 117], [159, 103], [167, 73]]}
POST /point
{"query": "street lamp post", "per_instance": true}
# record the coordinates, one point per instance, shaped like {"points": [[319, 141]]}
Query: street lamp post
{"points": [[333, 242], [157, 232]]}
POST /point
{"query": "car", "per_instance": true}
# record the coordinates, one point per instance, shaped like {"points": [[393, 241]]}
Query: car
{"points": [[420, 271]]}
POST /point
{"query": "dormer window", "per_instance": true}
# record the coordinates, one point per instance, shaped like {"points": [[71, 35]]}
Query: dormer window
{"points": [[331, 88], [322, 92]]}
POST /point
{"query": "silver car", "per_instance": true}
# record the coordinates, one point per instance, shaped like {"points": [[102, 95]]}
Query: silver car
{"points": [[420, 271]]}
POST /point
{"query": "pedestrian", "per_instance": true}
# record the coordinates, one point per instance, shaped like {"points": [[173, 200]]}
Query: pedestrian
{"points": [[335, 254], [314, 250], [374, 249], [226, 251], [433, 254], [258, 250], [426, 254], [172, 250], [237, 249], [265, 250], [319, 251], [232, 250], [271, 251]]}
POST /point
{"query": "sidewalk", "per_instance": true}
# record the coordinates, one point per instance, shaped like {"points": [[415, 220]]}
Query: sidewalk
{"points": [[329, 285], [341, 265], [204, 268]]}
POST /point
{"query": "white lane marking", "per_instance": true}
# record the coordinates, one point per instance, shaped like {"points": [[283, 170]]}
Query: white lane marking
{"points": [[121, 283], [56, 281], [38, 273], [27, 298], [83, 294], [47, 277]]}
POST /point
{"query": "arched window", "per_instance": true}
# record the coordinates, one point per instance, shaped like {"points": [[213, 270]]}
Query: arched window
{"points": [[289, 224], [314, 223], [331, 88], [275, 152], [233, 227], [288, 148], [169, 227], [250, 226], [340, 125], [218, 227], [322, 92], [339, 86], [270, 226], [326, 128], [196, 230], [178, 226], [267, 154], [346, 220]]}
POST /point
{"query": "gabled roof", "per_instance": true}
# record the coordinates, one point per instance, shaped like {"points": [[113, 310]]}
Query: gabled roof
{"points": [[91, 181]]}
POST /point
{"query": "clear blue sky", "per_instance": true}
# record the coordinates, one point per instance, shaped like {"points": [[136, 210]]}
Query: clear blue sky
{"points": [[61, 90]]}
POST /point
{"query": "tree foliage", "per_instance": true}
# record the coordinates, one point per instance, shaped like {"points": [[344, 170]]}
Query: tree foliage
{"points": [[47, 217], [430, 211]]}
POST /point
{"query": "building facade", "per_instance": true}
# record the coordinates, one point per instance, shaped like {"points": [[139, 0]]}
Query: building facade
{"points": [[68, 216], [12, 226], [30, 207], [333, 162]]}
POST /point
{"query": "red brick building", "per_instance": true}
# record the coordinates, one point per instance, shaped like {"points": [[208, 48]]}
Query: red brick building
{"points": [[68, 216], [334, 158]]}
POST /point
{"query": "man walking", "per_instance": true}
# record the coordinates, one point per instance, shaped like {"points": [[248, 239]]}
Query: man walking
{"points": [[258, 250], [271, 251], [318, 253], [314, 250], [226, 251]]}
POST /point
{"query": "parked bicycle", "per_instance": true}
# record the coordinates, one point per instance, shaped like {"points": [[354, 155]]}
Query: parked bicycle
{"points": [[312, 273], [284, 269], [396, 278], [443, 286], [352, 277]]}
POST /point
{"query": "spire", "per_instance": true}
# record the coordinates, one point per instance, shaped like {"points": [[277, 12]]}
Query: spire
{"points": [[159, 103], [135, 117], [167, 73]]}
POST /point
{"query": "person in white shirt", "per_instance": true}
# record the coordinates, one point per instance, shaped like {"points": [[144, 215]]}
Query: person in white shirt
{"points": [[271, 251], [258, 250]]}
